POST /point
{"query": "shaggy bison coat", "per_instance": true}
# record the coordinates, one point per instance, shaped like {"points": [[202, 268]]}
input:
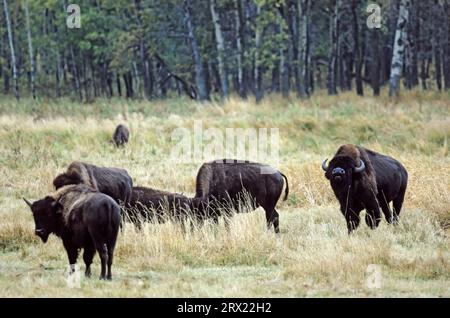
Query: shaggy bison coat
{"points": [[231, 181], [153, 205], [363, 179], [121, 135], [82, 218], [114, 182]]}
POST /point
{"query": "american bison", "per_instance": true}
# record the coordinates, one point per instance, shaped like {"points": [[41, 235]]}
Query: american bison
{"points": [[82, 218], [153, 205], [114, 182], [230, 180], [363, 179], [147, 204], [121, 135]]}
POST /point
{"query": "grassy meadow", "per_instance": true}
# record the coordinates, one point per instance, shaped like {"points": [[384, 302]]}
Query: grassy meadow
{"points": [[313, 256]]}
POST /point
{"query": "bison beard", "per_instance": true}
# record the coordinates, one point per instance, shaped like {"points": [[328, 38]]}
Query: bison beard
{"points": [[228, 181], [82, 218], [121, 135], [363, 179], [114, 182]]}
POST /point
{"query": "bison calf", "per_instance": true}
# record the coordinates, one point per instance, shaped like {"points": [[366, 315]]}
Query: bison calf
{"points": [[121, 135], [114, 182], [229, 181], [363, 179], [82, 218]]}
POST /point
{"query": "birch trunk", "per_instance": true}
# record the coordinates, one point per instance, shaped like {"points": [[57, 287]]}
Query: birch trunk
{"points": [[239, 47], [257, 73], [398, 53], [303, 51], [11, 48], [30, 51]]}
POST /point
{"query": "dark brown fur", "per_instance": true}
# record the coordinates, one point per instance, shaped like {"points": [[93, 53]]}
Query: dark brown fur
{"points": [[153, 205], [230, 181], [114, 182], [83, 218], [383, 180], [121, 135]]}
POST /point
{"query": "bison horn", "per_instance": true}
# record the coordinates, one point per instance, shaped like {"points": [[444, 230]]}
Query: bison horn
{"points": [[324, 165], [27, 202], [360, 168]]}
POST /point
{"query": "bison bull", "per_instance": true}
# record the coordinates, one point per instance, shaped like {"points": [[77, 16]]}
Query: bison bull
{"points": [[114, 182], [82, 218], [230, 180], [363, 179]]}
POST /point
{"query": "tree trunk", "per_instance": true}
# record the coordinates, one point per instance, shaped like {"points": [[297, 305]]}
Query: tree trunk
{"points": [[199, 71], [303, 46], [398, 53], [257, 72], [334, 34], [375, 67], [220, 43], [30, 51], [446, 44], [119, 86], [436, 44], [11, 48], [239, 48], [148, 85], [283, 67], [358, 55]]}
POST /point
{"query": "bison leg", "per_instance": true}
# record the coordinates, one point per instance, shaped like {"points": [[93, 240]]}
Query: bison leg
{"points": [[72, 254], [276, 221], [103, 253], [88, 255], [110, 261], [272, 217], [397, 204], [384, 204], [352, 218], [373, 216], [352, 223]]}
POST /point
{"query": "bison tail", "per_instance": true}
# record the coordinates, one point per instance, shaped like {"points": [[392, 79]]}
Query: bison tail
{"points": [[286, 191]]}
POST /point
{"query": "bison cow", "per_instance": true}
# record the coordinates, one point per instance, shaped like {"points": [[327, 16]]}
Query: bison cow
{"points": [[147, 204], [363, 179], [121, 135], [230, 181], [83, 218], [114, 182]]}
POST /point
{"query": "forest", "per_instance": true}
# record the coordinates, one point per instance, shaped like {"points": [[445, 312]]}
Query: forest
{"points": [[151, 49]]}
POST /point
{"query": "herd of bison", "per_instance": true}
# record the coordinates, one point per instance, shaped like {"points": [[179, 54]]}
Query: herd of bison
{"points": [[89, 203]]}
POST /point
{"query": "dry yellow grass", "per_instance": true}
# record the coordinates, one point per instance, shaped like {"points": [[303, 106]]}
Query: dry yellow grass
{"points": [[313, 256]]}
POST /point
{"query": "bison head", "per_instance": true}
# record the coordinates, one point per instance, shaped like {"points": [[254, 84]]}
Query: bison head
{"points": [[45, 214], [66, 179], [341, 170]]}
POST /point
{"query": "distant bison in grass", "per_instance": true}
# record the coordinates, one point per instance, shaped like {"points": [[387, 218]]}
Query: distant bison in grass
{"points": [[363, 179], [114, 182], [121, 135], [82, 218], [229, 181]]}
